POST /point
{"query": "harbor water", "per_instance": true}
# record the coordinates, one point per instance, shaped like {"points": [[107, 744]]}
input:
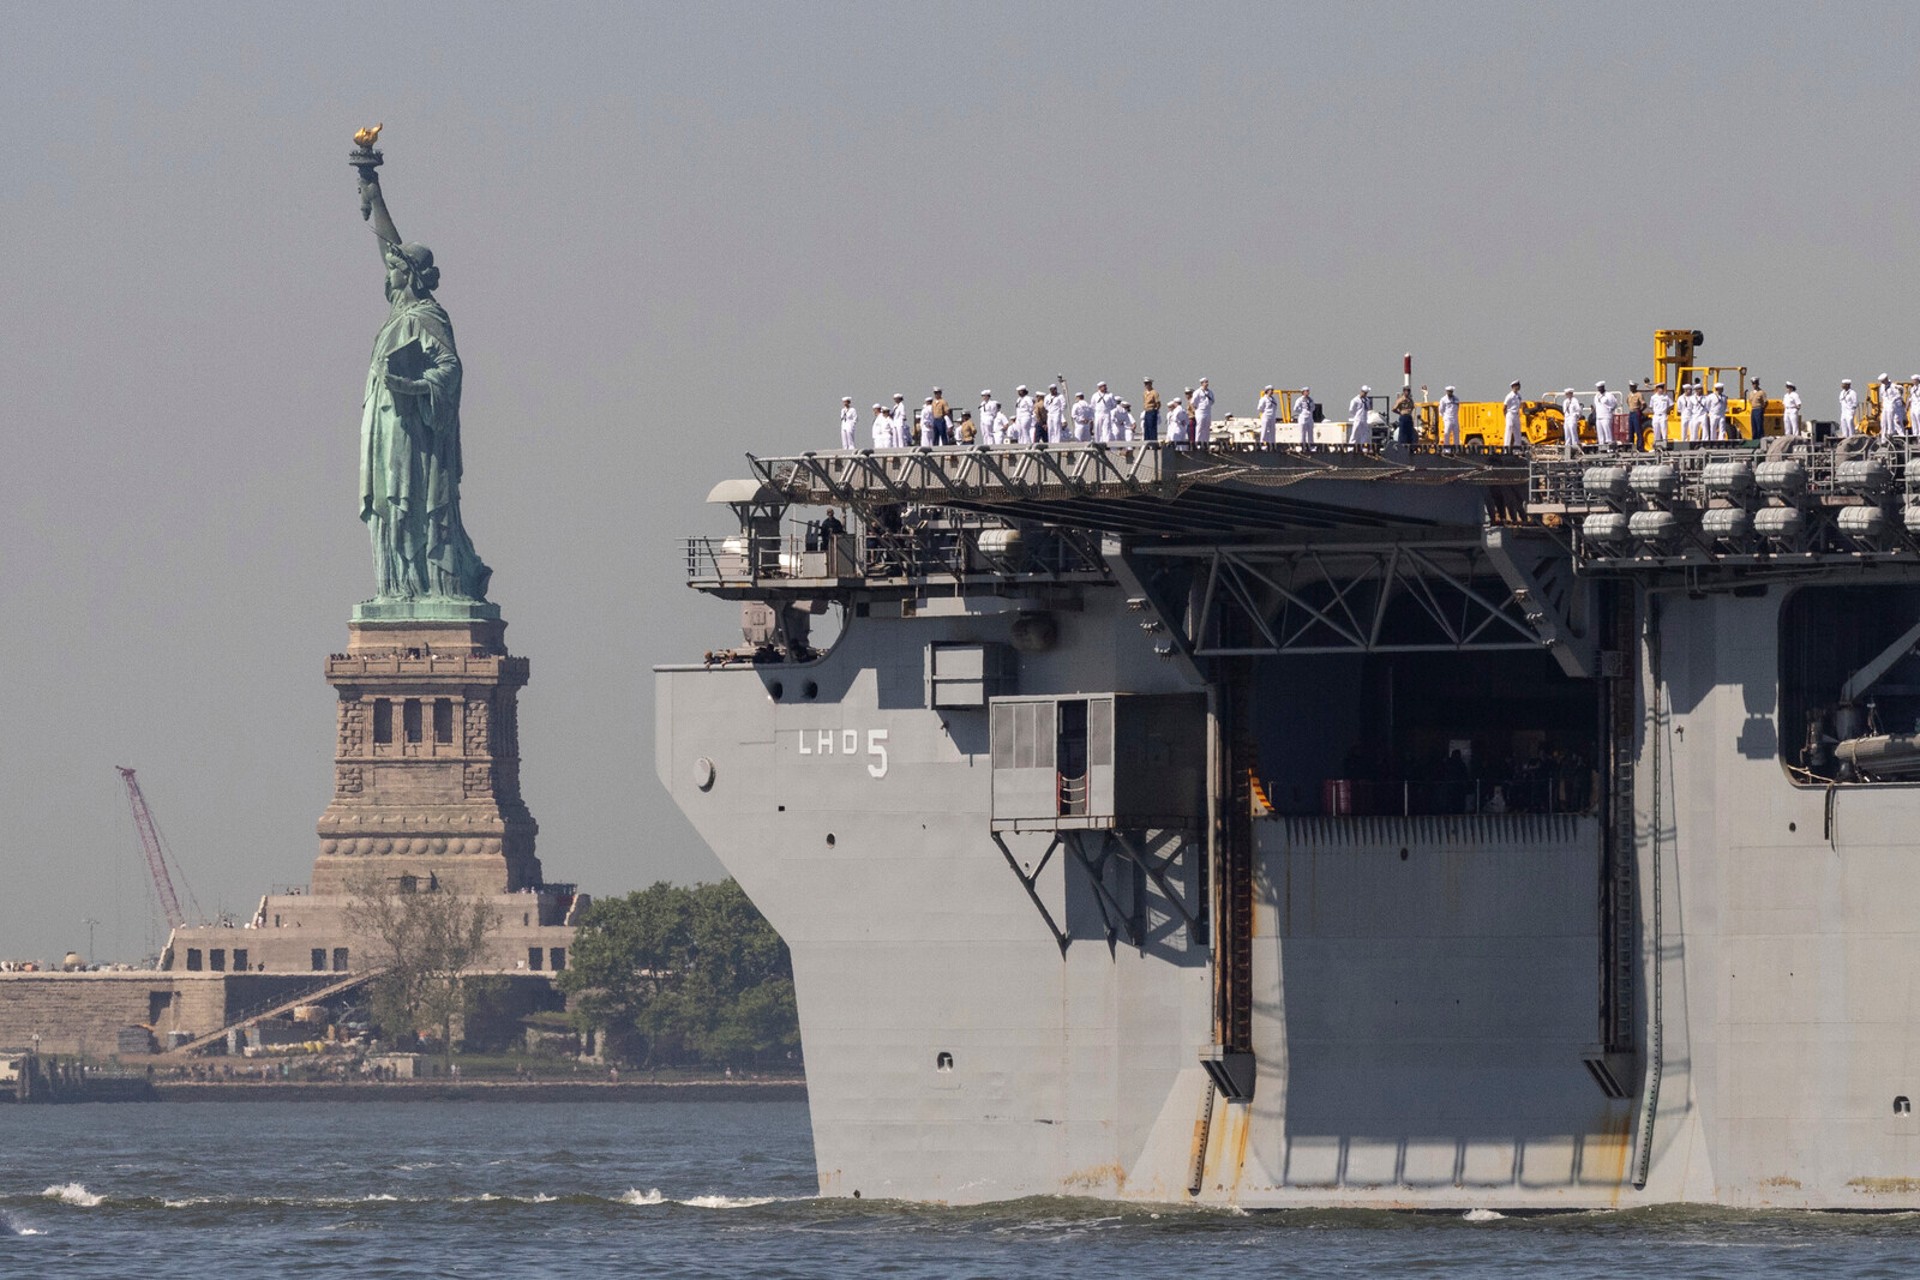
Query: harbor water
{"points": [[723, 1189]]}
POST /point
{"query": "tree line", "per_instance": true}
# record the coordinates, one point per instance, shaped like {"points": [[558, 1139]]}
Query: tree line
{"points": [[676, 975]]}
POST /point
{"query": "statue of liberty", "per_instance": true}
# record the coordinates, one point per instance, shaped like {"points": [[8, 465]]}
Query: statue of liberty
{"points": [[410, 427]]}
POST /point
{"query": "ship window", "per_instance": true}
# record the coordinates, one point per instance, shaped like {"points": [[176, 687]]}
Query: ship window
{"points": [[240, 960], [339, 959], [382, 720], [556, 958], [533, 957], [193, 958], [319, 959], [443, 719], [1902, 1106], [944, 1062], [411, 715], [217, 959]]}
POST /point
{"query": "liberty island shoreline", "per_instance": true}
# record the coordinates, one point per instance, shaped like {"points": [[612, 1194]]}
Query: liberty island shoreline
{"points": [[784, 1089]]}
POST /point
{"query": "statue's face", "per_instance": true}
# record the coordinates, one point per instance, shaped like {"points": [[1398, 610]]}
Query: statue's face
{"points": [[399, 275]]}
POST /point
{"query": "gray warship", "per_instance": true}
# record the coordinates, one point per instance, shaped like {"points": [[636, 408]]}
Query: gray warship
{"points": [[1389, 827]]}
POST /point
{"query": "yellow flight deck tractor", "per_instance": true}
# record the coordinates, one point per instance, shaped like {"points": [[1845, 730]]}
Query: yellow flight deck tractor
{"points": [[1483, 422]]}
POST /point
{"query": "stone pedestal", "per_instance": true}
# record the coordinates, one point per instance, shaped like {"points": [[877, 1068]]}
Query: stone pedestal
{"points": [[427, 760]]}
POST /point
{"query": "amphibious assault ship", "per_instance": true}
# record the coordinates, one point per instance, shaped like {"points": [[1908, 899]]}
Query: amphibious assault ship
{"points": [[1385, 827]]}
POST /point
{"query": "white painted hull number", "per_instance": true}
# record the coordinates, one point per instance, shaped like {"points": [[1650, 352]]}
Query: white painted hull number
{"points": [[846, 742]]}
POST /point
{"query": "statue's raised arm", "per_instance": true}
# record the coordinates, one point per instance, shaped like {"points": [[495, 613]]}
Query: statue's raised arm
{"points": [[424, 563], [373, 205]]}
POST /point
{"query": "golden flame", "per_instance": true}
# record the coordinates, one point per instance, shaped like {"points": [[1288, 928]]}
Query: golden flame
{"points": [[366, 137]]}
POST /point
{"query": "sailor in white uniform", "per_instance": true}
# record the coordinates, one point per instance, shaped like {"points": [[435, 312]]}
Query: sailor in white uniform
{"points": [[1203, 413], [989, 408], [1449, 419], [1512, 408], [1269, 410], [1023, 415], [1849, 409], [1717, 412], [1570, 421], [882, 427], [1056, 406], [1790, 411], [1303, 416], [849, 419], [1886, 408], [1658, 403], [1120, 422], [1082, 415], [1606, 405], [1179, 423], [902, 424], [929, 434], [1358, 429]]}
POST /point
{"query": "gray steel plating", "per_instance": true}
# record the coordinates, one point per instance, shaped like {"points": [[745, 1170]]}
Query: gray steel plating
{"points": [[1091, 888]]}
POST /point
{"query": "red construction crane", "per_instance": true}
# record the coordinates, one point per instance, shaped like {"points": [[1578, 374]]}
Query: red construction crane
{"points": [[159, 862]]}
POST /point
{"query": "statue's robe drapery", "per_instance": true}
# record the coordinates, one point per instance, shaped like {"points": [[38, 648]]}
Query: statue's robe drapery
{"points": [[410, 465]]}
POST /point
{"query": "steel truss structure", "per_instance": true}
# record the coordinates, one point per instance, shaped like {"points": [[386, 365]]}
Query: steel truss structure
{"points": [[1128, 872], [977, 475], [1502, 590]]}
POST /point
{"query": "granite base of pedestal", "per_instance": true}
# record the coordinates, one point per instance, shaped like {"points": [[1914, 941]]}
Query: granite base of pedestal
{"points": [[427, 761]]}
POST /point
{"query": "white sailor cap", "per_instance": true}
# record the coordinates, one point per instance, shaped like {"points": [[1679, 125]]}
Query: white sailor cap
{"points": [[1021, 388], [1126, 404], [1846, 382], [1883, 377], [1789, 386], [1305, 390], [1599, 386], [1719, 386], [936, 391], [1079, 395], [1567, 392], [928, 400], [1263, 390], [1203, 381], [1514, 383], [1364, 389], [1101, 386], [846, 399], [898, 396], [1449, 386], [984, 392], [880, 407]]}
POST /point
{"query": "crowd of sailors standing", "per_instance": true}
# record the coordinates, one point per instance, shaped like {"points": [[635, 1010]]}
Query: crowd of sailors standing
{"points": [[1059, 416]]}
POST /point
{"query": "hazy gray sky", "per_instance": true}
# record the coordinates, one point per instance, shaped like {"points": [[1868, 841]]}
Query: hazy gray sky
{"points": [[671, 234]]}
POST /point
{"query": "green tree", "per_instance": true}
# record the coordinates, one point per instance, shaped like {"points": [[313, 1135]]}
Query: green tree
{"points": [[675, 974], [424, 944]]}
